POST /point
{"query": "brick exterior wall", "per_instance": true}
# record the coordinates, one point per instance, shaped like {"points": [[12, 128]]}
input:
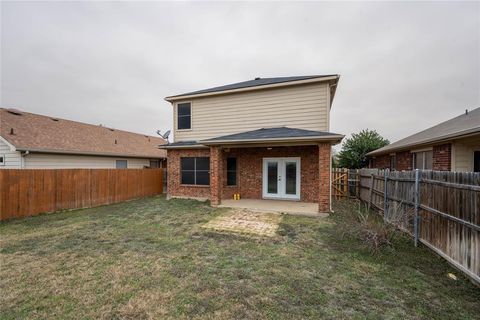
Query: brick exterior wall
{"points": [[174, 188], [442, 157], [381, 162], [250, 168], [216, 175], [404, 161], [324, 150], [249, 172]]}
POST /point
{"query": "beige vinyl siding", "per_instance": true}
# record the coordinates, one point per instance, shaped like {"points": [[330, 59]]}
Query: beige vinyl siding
{"points": [[463, 153], [304, 107], [59, 161], [13, 159]]}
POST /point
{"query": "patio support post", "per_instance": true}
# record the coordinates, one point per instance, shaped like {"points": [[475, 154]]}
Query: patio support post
{"points": [[324, 150], [216, 171]]}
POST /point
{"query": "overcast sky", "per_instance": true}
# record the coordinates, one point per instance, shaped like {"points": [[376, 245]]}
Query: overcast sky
{"points": [[403, 66]]}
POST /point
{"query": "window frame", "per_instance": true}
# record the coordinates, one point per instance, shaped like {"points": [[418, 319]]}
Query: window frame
{"points": [[236, 172], [393, 161], [126, 163], [2, 163], [177, 115], [423, 153], [195, 184]]}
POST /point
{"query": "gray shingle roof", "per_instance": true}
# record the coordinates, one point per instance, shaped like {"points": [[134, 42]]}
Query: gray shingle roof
{"points": [[181, 144], [251, 83], [458, 126], [274, 133]]}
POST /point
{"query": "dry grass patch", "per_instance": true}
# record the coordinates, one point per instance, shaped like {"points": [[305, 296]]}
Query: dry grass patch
{"points": [[153, 259], [246, 222]]}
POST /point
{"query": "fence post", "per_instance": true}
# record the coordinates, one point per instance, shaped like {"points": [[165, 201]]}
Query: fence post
{"points": [[417, 202], [371, 193], [385, 196]]}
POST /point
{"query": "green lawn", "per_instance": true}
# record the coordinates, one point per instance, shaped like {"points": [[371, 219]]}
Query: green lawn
{"points": [[150, 258]]}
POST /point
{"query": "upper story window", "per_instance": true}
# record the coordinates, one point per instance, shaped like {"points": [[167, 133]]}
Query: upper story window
{"points": [[2, 160], [423, 160], [184, 116]]}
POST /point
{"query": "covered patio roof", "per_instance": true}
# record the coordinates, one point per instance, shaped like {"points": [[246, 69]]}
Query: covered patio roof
{"points": [[279, 134], [271, 136]]}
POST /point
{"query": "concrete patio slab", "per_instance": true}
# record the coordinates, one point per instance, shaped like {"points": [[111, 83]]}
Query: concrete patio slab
{"points": [[246, 222], [281, 206]]}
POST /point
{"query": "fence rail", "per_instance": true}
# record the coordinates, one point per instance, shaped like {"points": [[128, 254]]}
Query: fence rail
{"points": [[29, 192], [440, 209]]}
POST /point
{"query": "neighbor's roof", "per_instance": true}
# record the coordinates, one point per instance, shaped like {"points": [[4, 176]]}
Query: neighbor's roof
{"points": [[257, 83], [279, 134], [465, 124], [38, 133]]}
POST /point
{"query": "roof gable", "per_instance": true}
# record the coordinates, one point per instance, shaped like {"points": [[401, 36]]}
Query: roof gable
{"points": [[466, 123], [256, 83], [29, 131]]}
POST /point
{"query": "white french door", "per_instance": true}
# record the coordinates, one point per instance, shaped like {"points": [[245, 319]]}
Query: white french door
{"points": [[281, 178]]}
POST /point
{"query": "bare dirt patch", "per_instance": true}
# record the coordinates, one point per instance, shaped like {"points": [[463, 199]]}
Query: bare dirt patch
{"points": [[246, 222]]}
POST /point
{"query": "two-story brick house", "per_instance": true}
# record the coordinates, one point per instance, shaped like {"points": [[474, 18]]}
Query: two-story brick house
{"points": [[263, 138]]}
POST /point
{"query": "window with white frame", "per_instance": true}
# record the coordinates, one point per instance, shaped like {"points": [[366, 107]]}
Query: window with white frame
{"points": [[423, 160], [184, 116]]}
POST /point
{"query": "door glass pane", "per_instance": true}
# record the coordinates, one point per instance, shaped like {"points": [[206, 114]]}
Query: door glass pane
{"points": [[272, 177], [291, 178]]}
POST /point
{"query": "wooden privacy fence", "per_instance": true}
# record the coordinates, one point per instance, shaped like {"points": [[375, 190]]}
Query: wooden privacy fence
{"points": [[345, 183], [28, 192], [440, 209]]}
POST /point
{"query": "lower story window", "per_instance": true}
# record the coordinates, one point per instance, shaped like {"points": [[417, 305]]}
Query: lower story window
{"points": [[423, 160], [195, 170], [231, 171], [393, 161], [121, 164]]}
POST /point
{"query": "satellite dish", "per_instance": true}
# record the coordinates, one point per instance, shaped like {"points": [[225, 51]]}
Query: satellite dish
{"points": [[165, 135]]}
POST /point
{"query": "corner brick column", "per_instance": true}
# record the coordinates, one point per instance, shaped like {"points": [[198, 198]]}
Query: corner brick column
{"points": [[324, 150], [216, 172]]}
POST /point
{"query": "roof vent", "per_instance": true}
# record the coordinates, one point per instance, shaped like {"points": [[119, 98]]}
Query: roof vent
{"points": [[258, 78], [12, 131], [115, 141], [111, 129], [53, 119], [14, 111], [466, 111]]}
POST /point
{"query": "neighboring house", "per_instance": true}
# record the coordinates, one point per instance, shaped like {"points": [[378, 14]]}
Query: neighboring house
{"points": [[32, 141], [453, 145], [264, 139]]}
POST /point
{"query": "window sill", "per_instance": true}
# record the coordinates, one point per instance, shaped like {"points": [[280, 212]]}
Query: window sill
{"points": [[195, 185], [234, 186], [183, 130]]}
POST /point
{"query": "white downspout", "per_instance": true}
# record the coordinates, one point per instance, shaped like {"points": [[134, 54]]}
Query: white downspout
{"points": [[23, 164], [330, 179]]}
